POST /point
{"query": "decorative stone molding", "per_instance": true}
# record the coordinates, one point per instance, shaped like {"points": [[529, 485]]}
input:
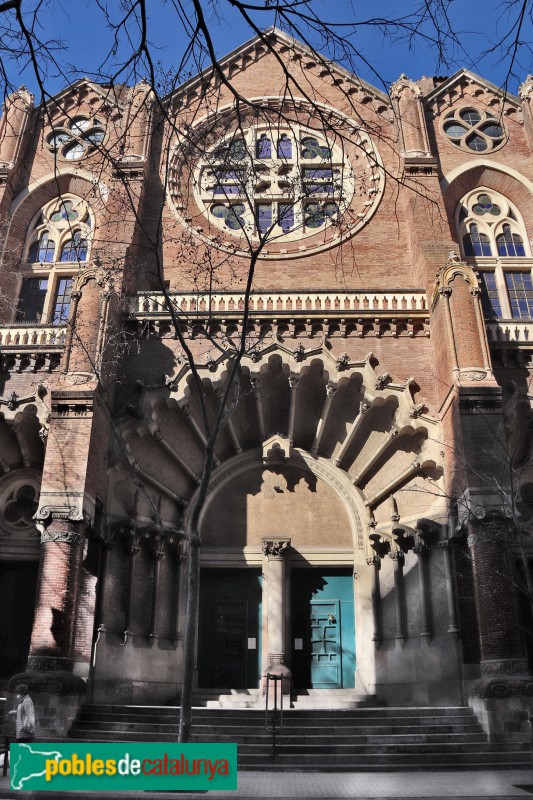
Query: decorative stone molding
{"points": [[50, 512], [402, 83], [501, 687], [49, 664], [525, 90], [382, 381], [343, 361], [275, 547], [63, 537], [510, 666], [473, 374], [14, 401], [276, 445]]}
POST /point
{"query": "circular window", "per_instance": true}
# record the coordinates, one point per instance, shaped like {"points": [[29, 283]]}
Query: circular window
{"points": [[274, 183], [19, 499], [279, 183], [76, 138], [471, 129]]}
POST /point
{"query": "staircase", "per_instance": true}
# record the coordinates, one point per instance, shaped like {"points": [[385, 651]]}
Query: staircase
{"points": [[359, 739]]}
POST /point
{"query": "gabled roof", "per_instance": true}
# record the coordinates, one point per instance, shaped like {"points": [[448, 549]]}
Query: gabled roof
{"points": [[110, 93], [270, 36], [458, 76]]}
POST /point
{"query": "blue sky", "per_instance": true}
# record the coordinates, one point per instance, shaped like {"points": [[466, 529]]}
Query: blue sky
{"points": [[82, 30]]}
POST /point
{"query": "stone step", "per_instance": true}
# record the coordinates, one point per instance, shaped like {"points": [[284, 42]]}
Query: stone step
{"points": [[305, 736], [386, 711], [310, 744], [368, 714], [362, 739]]}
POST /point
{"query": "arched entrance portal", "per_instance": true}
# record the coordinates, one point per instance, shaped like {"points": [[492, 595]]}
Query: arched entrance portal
{"points": [[286, 524]]}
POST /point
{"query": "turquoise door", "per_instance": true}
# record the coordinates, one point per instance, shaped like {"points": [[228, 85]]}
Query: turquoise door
{"points": [[326, 645], [229, 636], [323, 629]]}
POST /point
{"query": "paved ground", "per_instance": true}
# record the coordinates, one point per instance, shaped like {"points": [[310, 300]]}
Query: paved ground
{"points": [[498, 785]]}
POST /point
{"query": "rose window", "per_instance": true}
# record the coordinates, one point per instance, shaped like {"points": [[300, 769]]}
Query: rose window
{"points": [[76, 138], [474, 129], [274, 184]]}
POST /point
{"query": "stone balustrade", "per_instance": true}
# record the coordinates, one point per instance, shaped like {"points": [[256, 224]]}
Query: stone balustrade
{"points": [[325, 302], [513, 331], [32, 336]]}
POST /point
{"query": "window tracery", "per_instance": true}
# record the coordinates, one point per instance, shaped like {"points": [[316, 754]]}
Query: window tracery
{"points": [[474, 129], [57, 239], [73, 139], [492, 231], [273, 182]]}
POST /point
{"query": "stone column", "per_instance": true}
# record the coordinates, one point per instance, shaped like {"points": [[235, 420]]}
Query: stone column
{"points": [[450, 599], [502, 649], [399, 591], [375, 563], [407, 99], [502, 698], [275, 550], [55, 691], [56, 604]]}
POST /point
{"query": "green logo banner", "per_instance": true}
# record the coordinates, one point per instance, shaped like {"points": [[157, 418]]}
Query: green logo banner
{"points": [[101, 766]]}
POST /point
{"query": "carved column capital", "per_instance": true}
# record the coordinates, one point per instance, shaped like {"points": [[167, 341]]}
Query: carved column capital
{"points": [[275, 547]]}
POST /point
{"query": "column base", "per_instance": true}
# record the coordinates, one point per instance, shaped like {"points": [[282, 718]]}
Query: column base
{"points": [[502, 704], [276, 667], [57, 695]]}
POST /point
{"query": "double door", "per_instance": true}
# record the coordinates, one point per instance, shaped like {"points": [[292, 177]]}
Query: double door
{"points": [[230, 628]]}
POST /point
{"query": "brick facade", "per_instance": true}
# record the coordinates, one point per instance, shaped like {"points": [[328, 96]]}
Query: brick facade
{"points": [[369, 419]]}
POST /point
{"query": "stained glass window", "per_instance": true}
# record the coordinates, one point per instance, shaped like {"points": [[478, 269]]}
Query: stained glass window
{"points": [[66, 211], [311, 149], [490, 299], [264, 217], [520, 291], [233, 216], [485, 205], [509, 243], [264, 147], [286, 216], [75, 249], [43, 250], [31, 301], [284, 146], [263, 182], [61, 307], [476, 243]]}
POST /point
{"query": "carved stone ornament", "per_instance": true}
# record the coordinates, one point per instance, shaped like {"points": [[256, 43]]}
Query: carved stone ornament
{"points": [[502, 687], [473, 374], [509, 666], [343, 361], [49, 664], [525, 90], [382, 381], [402, 83], [276, 547], [64, 537], [72, 513]]}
